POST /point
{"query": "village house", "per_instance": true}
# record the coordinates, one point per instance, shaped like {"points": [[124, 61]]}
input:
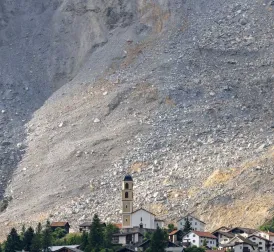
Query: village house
{"points": [[223, 237], [63, 225], [263, 244], [240, 244], [196, 238], [85, 227], [196, 224], [126, 238], [245, 232], [176, 236], [267, 235]]}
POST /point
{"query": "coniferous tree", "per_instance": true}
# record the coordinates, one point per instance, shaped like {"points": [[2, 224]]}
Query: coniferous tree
{"points": [[96, 238], [171, 227], [159, 240], [204, 243], [27, 239], [109, 230], [36, 245], [187, 226], [47, 237], [13, 242], [84, 241], [39, 228]]}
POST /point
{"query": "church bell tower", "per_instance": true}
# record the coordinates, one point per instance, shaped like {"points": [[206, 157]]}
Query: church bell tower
{"points": [[127, 201]]}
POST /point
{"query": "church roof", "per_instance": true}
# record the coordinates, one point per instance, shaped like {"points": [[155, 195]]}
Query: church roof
{"points": [[144, 210], [128, 178]]}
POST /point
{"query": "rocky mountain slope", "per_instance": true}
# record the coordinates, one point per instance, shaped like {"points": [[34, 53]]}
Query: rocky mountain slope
{"points": [[178, 93]]}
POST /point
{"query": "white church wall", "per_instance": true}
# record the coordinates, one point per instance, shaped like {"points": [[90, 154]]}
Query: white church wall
{"points": [[142, 216]]}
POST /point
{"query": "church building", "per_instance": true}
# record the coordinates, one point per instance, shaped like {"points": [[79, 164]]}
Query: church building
{"points": [[139, 218]]}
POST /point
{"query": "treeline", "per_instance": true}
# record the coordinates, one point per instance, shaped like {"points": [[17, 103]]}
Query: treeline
{"points": [[97, 240]]}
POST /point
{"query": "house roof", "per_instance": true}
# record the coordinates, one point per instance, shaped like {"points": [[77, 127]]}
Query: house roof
{"points": [[59, 224], [229, 235], [86, 224], [216, 230], [258, 237], [204, 234], [245, 230], [56, 248], [71, 249], [233, 242], [267, 232], [192, 217], [128, 178], [118, 225], [144, 210], [174, 232], [127, 233]]}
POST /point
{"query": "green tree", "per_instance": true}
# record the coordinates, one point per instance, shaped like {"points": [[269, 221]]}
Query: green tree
{"points": [[36, 244], [84, 241], [96, 239], [187, 226], [170, 227], [109, 230], [204, 243], [27, 239], [159, 240], [39, 228], [47, 237], [13, 242], [147, 236], [58, 233]]}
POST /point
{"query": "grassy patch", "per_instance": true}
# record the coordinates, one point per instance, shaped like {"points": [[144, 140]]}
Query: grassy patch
{"points": [[220, 177]]}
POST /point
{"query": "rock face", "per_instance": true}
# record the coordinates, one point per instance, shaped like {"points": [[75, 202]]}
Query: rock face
{"points": [[178, 93]]}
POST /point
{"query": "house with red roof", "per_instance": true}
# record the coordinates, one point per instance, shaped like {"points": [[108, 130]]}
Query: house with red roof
{"points": [[197, 238]]}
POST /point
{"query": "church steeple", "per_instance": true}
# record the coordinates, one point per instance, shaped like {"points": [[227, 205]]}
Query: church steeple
{"points": [[127, 201]]}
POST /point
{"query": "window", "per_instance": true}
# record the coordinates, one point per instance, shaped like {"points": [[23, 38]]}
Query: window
{"points": [[260, 243], [126, 185], [195, 229], [126, 206], [141, 219], [253, 238], [195, 223], [193, 241], [181, 223], [194, 235], [225, 239], [126, 195], [190, 219], [221, 235], [260, 248], [187, 236], [240, 247]]}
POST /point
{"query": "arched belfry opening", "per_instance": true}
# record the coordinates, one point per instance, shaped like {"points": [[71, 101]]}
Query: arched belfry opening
{"points": [[127, 201]]}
